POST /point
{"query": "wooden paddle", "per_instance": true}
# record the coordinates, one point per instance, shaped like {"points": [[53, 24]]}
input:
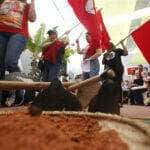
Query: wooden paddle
{"points": [[13, 85], [86, 89]]}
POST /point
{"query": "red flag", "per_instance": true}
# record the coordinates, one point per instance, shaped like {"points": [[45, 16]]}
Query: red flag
{"points": [[105, 41], [92, 20], [141, 37]]}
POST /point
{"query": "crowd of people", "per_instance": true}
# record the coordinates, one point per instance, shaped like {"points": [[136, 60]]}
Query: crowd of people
{"points": [[14, 17], [135, 89]]}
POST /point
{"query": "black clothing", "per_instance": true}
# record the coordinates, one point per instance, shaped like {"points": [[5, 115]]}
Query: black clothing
{"points": [[112, 60], [136, 96], [139, 81], [106, 99], [55, 97]]}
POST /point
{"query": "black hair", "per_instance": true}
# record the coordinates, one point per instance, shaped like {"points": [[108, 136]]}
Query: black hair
{"points": [[49, 32], [111, 46]]}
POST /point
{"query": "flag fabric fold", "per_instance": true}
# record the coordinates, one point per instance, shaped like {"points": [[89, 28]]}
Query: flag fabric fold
{"points": [[92, 20], [141, 37], [105, 38]]}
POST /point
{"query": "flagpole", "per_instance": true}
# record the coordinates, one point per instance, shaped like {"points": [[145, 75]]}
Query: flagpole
{"points": [[123, 39], [131, 33], [80, 35], [68, 31], [58, 11]]}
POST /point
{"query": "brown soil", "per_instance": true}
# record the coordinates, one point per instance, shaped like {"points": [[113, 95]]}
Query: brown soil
{"points": [[20, 131]]}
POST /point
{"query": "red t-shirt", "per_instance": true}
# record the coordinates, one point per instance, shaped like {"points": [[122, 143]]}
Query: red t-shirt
{"points": [[51, 52], [93, 46], [14, 17]]}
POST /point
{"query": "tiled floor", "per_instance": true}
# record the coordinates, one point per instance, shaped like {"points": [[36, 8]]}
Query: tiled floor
{"points": [[134, 111]]}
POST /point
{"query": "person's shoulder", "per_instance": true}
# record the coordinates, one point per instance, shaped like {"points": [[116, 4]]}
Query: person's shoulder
{"points": [[119, 51], [58, 41], [62, 43]]}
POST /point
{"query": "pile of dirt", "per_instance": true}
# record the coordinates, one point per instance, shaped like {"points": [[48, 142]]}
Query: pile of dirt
{"points": [[20, 131]]}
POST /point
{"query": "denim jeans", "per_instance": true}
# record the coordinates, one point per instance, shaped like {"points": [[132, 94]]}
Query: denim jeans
{"points": [[50, 71], [11, 47], [94, 69]]}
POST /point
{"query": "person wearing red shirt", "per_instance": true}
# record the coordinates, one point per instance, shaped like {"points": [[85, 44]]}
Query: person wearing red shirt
{"points": [[52, 55], [90, 57], [14, 17]]}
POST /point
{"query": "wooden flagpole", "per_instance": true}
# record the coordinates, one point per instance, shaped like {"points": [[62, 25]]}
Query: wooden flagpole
{"points": [[131, 33], [13, 85]]}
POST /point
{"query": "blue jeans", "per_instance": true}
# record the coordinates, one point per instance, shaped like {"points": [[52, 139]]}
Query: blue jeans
{"points": [[94, 69], [50, 71], [11, 47]]}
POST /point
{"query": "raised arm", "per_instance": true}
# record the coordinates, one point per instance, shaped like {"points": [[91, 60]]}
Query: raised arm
{"points": [[125, 51], [32, 12], [96, 55], [79, 51], [46, 43]]}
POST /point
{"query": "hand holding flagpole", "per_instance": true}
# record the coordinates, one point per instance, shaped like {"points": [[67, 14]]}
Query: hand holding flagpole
{"points": [[130, 34]]}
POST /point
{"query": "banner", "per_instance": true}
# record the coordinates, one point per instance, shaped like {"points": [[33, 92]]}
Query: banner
{"points": [[141, 37], [91, 20]]}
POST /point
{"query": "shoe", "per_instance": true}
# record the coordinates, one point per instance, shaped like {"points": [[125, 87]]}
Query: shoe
{"points": [[10, 101], [17, 76]]}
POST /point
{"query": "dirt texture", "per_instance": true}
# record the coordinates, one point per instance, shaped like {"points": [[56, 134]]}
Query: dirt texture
{"points": [[20, 131]]}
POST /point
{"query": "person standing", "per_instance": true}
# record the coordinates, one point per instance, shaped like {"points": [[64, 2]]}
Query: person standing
{"points": [[112, 60], [14, 17], [52, 56], [90, 57], [136, 93]]}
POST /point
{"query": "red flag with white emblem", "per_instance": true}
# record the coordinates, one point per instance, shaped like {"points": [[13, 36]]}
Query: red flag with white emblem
{"points": [[92, 20]]}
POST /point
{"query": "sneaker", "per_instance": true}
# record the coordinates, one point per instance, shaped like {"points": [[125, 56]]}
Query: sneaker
{"points": [[15, 76], [10, 101]]}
